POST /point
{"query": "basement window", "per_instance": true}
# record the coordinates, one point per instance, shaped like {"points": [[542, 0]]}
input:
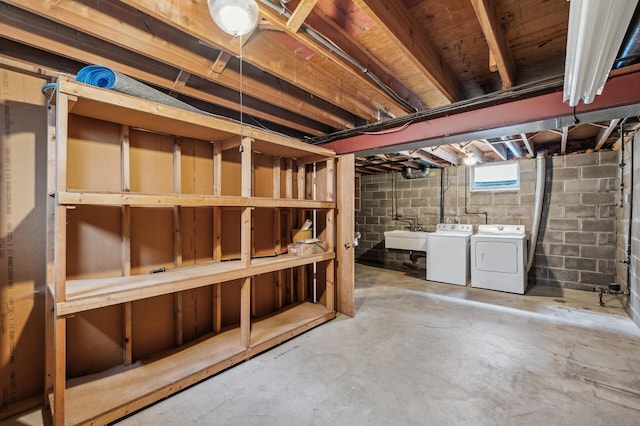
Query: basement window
{"points": [[495, 177]]}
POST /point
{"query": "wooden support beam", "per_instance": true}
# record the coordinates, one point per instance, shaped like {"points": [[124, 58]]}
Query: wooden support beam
{"points": [[563, 143], [498, 48], [300, 14], [344, 220], [528, 144], [403, 33], [604, 134]]}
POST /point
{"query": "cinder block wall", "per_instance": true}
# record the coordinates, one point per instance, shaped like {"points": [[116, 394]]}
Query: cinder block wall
{"points": [[633, 268], [577, 241]]}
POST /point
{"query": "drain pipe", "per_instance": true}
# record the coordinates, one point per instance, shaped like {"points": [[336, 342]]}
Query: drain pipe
{"points": [[541, 169], [631, 191], [466, 193], [442, 176]]}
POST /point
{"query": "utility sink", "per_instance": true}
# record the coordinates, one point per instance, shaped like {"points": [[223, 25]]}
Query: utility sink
{"points": [[406, 240]]}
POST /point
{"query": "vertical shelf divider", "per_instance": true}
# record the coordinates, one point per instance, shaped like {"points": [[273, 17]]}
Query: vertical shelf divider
{"points": [[60, 328], [125, 178], [177, 241], [217, 233], [49, 316]]}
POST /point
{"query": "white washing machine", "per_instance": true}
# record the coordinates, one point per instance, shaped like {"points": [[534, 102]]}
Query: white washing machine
{"points": [[499, 258], [448, 253]]}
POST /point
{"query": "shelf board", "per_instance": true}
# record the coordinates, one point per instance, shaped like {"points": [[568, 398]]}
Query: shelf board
{"points": [[109, 395], [288, 323], [86, 294], [138, 199], [108, 105]]}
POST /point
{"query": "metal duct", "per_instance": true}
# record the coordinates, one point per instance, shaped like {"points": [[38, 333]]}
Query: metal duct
{"points": [[513, 147], [630, 50], [541, 171], [409, 173]]}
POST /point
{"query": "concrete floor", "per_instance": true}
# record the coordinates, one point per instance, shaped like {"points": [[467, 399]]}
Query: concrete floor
{"points": [[427, 353]]}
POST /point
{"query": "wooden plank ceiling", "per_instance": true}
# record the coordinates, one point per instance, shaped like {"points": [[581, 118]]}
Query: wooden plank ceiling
{"points": [[314, 67]]}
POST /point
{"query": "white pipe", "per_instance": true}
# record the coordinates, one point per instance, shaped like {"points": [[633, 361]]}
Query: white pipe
{"points": [[537, 207]]}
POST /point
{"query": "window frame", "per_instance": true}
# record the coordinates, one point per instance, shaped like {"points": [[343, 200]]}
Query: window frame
{"points": [[499, 185]]}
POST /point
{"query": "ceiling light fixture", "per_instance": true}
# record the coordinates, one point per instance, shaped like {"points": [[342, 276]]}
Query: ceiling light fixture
{"points": [[470, 159], [596, 30], [234, 17]]}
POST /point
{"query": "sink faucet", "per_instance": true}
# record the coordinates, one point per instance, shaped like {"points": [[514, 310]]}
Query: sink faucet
{"points": [[412, 221]]}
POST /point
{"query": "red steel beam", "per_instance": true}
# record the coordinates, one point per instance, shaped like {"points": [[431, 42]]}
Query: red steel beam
{"points": [[619, 91]]}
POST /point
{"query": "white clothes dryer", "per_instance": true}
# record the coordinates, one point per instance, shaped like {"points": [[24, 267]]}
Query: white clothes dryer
{"points": [[499, 258]]}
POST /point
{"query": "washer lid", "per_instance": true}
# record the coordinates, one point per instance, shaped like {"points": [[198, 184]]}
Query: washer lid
{"points": [[501, 229]]}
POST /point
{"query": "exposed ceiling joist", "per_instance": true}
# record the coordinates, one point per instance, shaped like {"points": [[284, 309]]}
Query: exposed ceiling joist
{"points": [[563, 142], [260, 52], [527, 143], [326, 49], [324, 22], [604, 134], [499, 149], [130, 35], [400, 29], [444, 153], [375, 51], [499, 51], [422, 155], [30, 32], [299, 15]]}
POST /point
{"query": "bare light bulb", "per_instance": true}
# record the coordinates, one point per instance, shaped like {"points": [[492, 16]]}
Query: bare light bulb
{"points": [[234, 17], [470, 159]]}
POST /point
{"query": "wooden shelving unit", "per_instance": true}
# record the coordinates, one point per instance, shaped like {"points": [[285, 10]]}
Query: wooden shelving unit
{"points": [[167, 237]]}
